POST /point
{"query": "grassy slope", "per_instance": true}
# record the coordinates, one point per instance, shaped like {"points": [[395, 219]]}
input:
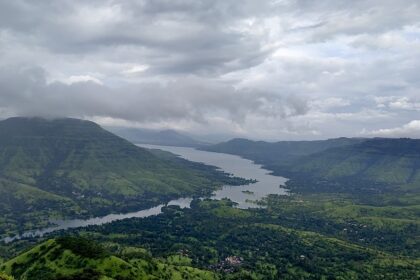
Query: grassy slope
{"points": [[55, 259], [388, 161], [277, 154], [73, 167], [388, 170], [31, 205]]}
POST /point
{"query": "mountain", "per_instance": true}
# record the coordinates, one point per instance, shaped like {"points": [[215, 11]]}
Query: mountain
{"points": [[336, 165], [70, 167], [156, 137], [75, 258], [274, 155], [377, 162]]}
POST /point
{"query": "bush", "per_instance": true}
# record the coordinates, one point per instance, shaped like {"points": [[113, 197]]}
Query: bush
{"points": [[82, 247], [5, 277]]}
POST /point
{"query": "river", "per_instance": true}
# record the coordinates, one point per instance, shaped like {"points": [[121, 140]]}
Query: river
{"points": [[243, 195]]}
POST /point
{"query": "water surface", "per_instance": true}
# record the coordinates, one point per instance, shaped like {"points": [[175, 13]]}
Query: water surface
{"points": [[266, 183]]}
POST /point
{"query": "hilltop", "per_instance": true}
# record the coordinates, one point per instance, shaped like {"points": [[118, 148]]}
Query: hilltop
{"points": [[166, 137], [277, 154], [78, 258]]}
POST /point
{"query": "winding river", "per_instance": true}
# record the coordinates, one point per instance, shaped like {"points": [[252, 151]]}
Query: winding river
{"points": [[243, 195]]}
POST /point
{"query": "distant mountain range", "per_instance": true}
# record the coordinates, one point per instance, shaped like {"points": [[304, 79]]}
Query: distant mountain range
{"points": [[275, 154], [156, 137], [355, 163], [71, 167]]}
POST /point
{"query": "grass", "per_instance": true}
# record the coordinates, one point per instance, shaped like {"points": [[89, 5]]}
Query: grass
{"points": [[52, 260]]}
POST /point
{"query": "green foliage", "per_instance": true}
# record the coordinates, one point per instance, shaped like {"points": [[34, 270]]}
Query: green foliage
{"points": [[63, 259], [5, 277], [295, 237], [298, 237], [387, 228], [82, 247], [375, 162]]}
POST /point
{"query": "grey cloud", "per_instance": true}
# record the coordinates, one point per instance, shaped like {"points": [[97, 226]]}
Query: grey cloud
{"points": [[278, 68], [25, 91], [335, 18], [167, 34]]}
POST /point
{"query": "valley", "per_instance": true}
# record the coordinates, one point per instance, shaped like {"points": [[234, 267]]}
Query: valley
{"points": [[316, 225], [68, 168], [262, 184], [209, 140]]}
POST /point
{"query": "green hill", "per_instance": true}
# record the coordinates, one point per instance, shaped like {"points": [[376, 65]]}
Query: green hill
{"points": [[156, 137], [277, 154], [71, 258], [378, 165], [70, 167]]}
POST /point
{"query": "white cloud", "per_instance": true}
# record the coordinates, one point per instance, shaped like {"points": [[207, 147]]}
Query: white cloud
{"points": [[398, 102], [330, 103], [136, 69], [81, 79], [411, 129]]}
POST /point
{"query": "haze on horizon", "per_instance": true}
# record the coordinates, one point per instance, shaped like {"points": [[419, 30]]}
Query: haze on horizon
{"points": [[274, 70]]}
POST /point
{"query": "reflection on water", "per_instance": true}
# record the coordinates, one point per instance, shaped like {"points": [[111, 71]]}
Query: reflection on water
{"points": [[243, 195]]}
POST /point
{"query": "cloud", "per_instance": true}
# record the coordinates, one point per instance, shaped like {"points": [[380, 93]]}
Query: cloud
{"points": [[27, 92], [330, 103], [136, 69], [411, 129], [181, 37], [263, 69], [338, 18], [398, 102], [82, 78]]}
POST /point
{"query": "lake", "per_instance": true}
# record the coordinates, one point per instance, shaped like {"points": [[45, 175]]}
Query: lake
{"points": [[266, 183]]}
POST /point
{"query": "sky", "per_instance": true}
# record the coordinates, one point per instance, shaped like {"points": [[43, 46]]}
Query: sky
{"points": [[272, 70]]}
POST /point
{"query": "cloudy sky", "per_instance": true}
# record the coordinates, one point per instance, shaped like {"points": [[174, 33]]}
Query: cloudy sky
{"points": [[275, 69]]}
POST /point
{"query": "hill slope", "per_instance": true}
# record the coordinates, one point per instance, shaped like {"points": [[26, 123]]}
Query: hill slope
{"points": [[156, 137], [347, 165], [378, 162], [274, 155], [51, 168], [77, 258]]}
